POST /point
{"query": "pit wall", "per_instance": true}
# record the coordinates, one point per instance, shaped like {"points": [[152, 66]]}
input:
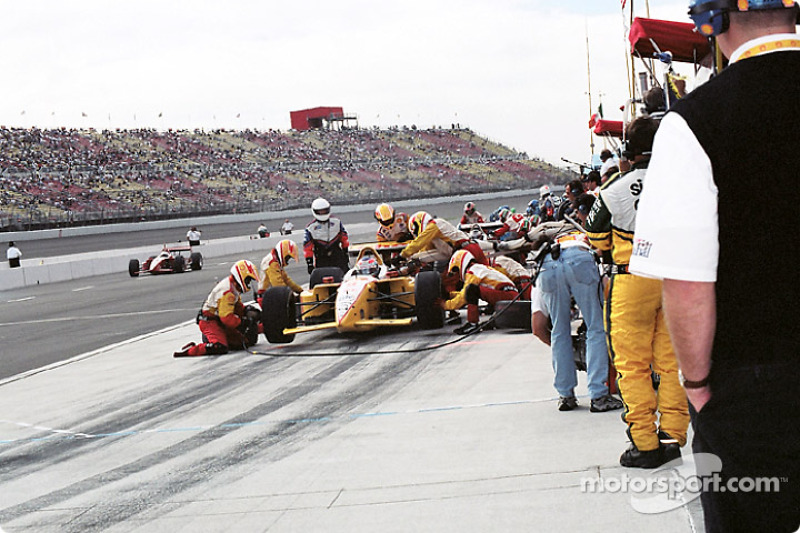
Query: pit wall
{"points": [[76, 266]]}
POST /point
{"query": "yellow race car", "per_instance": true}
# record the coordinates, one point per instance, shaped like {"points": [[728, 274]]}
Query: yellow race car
{"points": [[369, 296]]}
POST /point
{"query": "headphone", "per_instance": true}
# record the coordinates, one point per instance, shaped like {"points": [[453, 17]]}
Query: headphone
{"points": [[627, 150], [711, 17]]}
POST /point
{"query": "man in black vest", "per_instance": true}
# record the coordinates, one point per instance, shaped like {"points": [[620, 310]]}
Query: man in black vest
{"points": [[731, 296]]}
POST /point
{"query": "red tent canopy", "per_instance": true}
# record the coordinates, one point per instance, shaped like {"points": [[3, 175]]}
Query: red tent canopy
{"points": [[608, 127], [677, 37]]}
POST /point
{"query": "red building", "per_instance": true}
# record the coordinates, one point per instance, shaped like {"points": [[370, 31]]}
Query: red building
{"points": [[318, 118]]}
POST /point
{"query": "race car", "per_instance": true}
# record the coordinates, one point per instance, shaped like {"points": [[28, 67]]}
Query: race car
{"points": [[357, 301], [169, 261]]}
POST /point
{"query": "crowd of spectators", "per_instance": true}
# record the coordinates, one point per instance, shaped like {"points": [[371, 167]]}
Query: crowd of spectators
{"points": [[63, 176]]}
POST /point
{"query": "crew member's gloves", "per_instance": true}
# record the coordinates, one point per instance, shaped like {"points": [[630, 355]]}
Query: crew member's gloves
{"points": [[245, 324], [396, 261], [310, 264]]}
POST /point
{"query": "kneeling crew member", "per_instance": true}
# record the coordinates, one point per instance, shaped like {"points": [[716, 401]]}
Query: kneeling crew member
{"points": [[480, 282], [223, 320]]}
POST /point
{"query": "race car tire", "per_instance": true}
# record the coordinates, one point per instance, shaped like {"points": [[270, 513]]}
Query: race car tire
{"points": [[513, 314], [251, 335], [427, 292], [178, 264], [196, 261], [278, 312], [133, 267], [318, 274]]}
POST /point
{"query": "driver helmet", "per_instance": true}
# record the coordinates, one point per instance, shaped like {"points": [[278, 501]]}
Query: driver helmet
{"points": [[384, 214], [459, 262], [418, 222], [321, 209], [287, 250], [544, 191], [368, 266], [243, 272], [476, 233], [533, 207], [469, 208]]}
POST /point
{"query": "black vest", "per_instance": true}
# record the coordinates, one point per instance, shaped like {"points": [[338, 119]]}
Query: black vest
{"points": [[747, 120]]}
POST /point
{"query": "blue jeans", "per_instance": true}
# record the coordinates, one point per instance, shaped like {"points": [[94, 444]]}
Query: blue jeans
{"points": [[575, 274]]}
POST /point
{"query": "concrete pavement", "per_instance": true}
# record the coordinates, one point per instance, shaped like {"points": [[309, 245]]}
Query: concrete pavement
{"points": [[463, 438]]}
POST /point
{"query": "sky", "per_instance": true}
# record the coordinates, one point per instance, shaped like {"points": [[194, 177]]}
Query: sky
{"points": [[514, 71]]}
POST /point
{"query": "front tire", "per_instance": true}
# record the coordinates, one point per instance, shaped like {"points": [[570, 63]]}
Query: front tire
{"points": [[179, 264], [133, 268], [278, 312], [196, 261], [427, 290]]}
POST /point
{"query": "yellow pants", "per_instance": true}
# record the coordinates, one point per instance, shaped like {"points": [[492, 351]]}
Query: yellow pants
{"points": [[638, 342]]}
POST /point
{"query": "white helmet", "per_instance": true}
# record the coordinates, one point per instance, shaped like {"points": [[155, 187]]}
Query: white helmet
{"points": [[544, 190], [368, 266], [321, 209]]}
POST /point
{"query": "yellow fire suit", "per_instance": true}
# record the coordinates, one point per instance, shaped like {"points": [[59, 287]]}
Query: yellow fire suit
{"points": [[275, 275], [636, 331]]}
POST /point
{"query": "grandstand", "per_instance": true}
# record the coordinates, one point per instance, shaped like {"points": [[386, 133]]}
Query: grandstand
{"points": [[63, 177]]}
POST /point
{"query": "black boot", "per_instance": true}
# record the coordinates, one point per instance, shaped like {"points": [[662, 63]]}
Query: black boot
{"points": [[633, 457], [670, 449], [467, 328]]}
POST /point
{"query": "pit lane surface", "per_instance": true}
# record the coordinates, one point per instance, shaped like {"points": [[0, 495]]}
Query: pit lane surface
{"points": [[373, 436]]}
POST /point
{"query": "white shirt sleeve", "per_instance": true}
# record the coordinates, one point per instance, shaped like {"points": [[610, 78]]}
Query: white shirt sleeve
{"points": [[537, 302], [676, 224]]}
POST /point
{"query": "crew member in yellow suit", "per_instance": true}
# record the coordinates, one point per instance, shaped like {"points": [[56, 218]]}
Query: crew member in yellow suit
{"points": [[636, 332], [273, 267]]}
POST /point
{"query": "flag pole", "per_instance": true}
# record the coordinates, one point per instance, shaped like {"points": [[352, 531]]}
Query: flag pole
{"points": [[589, 84]]}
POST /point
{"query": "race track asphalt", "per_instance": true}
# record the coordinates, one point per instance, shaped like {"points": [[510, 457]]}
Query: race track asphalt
{"points": [[45, 324]]}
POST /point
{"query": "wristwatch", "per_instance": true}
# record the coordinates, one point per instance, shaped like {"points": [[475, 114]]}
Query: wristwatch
{"points": [[688, 384]]}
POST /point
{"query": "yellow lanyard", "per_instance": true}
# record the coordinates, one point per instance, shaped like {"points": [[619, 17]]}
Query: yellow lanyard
{"points": [[771, 46]]}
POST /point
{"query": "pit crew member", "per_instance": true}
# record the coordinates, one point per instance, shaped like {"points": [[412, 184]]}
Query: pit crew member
{"points": [[326, 242], [570, 271], [435, 239], [223, 319], [393, 225], [273, 273], [637, 335], [481, 282], [730, 277], [471, 215], [515, 225]]}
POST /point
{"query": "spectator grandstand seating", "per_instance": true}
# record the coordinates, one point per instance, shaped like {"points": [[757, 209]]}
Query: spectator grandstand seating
{"points": [[65, 176]]}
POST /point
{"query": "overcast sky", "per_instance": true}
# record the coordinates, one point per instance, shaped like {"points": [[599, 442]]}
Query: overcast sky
{"points": [[512, 70]]}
